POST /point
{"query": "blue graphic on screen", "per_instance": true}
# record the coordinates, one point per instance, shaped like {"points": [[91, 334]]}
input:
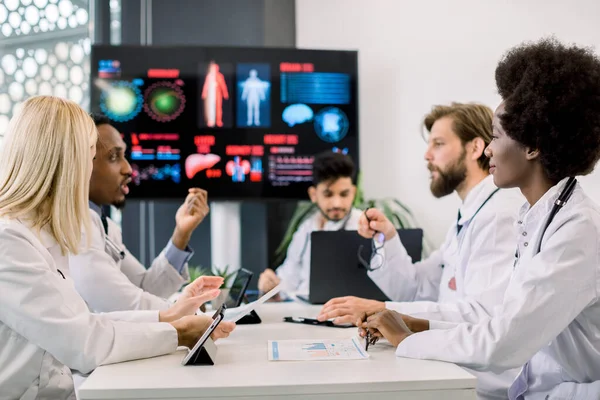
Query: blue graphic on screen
{"points": [[253, 95], [256, 165], [164, 155], [163, 173], [121, 101], [331, 124], [315, 87], [108, 68], [338, 150], [238, 170], [138, 155], [297, 114], [169, 171], [167, 155]]}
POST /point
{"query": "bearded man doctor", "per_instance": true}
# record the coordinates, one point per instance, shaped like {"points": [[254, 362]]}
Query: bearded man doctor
{"points": [[475, 260]]}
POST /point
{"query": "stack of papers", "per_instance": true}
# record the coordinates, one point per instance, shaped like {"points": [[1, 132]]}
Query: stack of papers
{"points": [[316, 350]]}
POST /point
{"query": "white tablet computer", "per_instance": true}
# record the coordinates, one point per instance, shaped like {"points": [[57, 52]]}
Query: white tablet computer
{"points": [[199, 354]]}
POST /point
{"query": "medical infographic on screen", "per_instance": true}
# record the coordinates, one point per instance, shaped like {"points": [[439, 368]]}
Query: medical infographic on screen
{"points": [[242, 123]]}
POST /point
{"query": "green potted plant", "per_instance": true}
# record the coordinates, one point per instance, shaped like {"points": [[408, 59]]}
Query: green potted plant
{"points": [[196, 271], [398, 213]]}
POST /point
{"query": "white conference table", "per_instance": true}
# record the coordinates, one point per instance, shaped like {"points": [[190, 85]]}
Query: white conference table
{"points": [[242, 370]]}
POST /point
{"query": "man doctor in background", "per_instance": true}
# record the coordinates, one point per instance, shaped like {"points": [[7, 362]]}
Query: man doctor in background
{"points": [[332, 193], [107, 275]]}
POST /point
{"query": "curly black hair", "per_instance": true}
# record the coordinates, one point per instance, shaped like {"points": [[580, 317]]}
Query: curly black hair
{"points": [[551, 96]]}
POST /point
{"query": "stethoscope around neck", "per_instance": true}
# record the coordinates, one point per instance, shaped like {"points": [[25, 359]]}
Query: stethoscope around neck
{"points": [[559, 203]]}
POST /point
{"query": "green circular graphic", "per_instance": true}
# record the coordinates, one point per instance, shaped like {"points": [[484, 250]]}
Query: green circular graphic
{"points": [[164, 101]]}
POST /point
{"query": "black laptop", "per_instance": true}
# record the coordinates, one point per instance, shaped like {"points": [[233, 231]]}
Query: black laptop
{"points": [[336, 271]]}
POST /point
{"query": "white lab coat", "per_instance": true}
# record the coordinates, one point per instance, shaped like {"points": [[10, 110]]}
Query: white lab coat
{"points": [[479, 258], [578, 391], [108, 283], [46, 329], [549, 319], [295, 270]]}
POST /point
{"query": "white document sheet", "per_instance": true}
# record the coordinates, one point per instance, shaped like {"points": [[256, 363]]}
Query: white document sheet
{"points": [[235, 314], [317, 350]]}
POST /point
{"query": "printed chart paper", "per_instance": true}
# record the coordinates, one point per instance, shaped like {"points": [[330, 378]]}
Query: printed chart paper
{"points": [[316, 350]]}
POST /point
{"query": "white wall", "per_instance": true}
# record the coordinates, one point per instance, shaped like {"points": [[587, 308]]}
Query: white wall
{"points": [[413, 54]]}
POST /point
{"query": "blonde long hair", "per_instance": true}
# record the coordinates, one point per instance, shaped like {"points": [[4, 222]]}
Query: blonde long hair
{"points": [[45, 168]]}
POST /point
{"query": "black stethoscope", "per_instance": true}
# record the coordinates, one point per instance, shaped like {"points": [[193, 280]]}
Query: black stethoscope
{"points": [[559, 203]]}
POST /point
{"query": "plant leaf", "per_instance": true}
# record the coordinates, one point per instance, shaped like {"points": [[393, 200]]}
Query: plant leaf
{"points": [[359, 198], [403, 207]]}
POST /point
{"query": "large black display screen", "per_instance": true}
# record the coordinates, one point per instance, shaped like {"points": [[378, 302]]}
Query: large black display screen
{"points": [[242, 123]]}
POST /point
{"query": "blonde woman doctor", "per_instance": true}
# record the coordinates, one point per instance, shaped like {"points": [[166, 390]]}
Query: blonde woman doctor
{"points": [[46, 329]]}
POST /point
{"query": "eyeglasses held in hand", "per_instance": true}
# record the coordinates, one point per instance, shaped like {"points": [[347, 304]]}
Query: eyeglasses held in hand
{"points": [[377, 258]]}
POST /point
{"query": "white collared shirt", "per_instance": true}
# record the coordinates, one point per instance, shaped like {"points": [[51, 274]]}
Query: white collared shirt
{"points": [[550, 314], [295, 270], [43, 320], [98, 271], [478, 260]]}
